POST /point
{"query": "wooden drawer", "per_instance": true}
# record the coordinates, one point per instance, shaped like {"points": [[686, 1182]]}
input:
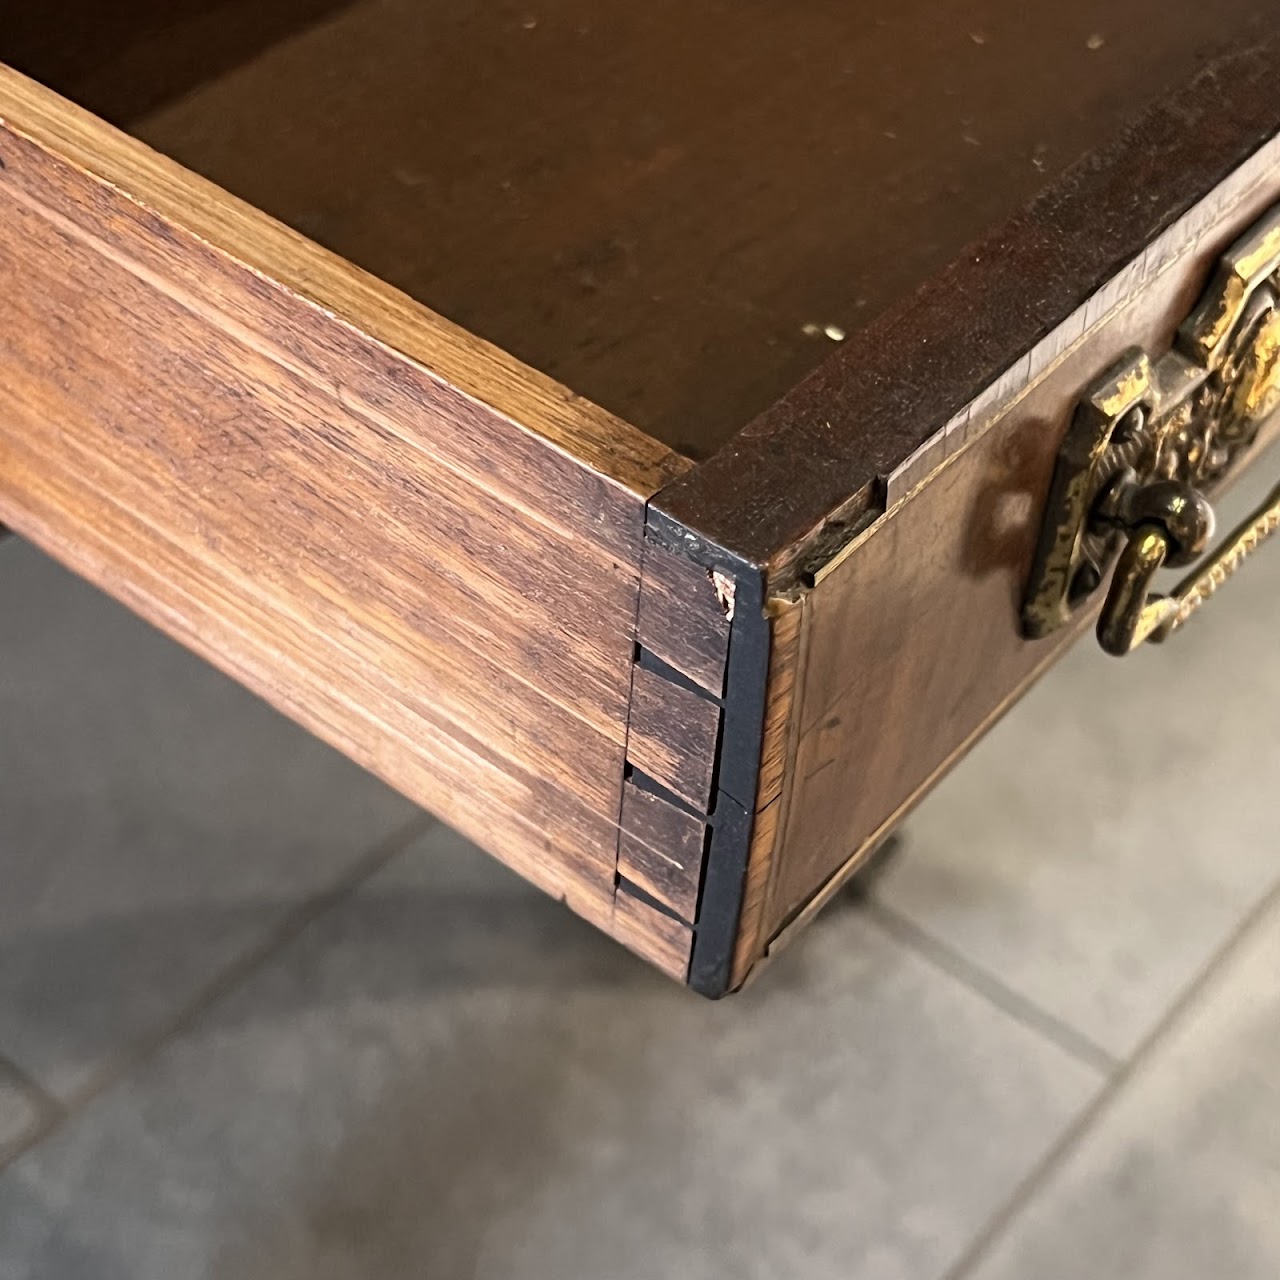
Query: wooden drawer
{"points": [[679, 563]]}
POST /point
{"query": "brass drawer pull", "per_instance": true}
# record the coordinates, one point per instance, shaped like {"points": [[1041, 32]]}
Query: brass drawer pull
{"points": [[1131, 615], [1146, 440]]}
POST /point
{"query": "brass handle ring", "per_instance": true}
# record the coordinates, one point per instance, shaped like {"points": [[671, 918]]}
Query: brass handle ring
{"points": [[1146, 441], [1132, 615]]}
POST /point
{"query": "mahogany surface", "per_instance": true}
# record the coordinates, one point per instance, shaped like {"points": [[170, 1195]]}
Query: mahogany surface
{"points": [[662, 205]]}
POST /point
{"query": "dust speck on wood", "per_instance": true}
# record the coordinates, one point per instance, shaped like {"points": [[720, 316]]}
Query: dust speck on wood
{"points": [[833, 331]]}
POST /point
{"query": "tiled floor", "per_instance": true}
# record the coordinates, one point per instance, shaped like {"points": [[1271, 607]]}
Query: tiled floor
{"points": [[21, 1107], [260, 1019]]}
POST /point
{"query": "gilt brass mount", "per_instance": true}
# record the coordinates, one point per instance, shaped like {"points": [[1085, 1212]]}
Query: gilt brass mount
{"points": [[1146, 440]]}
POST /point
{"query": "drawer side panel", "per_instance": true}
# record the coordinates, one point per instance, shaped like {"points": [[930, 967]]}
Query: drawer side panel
{"points": [[397, 559]]}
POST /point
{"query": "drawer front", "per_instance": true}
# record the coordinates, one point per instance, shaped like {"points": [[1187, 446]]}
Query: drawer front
{"points": [[423, 551], [931, 623], [889, 515]]}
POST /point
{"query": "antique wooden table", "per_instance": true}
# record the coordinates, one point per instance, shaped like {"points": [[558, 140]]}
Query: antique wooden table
{"points": [[809, 368]]}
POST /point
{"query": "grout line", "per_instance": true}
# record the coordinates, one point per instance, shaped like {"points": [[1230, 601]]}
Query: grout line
{"points": [[958, 966], [49, 1111], [1026, 1011], [1075, 1133], [26, 1083], [224, 983], [991, 988], [38, 1132]]}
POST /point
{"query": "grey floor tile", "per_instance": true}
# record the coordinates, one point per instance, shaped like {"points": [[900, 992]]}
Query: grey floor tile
{"points": [[1106, 837], [449, 1076], [19, 1111], [1180, 1177], [155, 819]]}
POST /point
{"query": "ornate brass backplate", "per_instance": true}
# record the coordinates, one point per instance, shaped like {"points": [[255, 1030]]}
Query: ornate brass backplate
{"points": [[1145, 442]]}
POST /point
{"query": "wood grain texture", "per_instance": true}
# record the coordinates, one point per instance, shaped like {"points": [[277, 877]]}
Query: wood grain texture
{"points": [[661, 850], [682, 620], [432, 555], [786, 676], [665, 943], [673, 737], [777, 761], [913, 643], [424, 553], [648, 201], [533, 405], [800, 482]]}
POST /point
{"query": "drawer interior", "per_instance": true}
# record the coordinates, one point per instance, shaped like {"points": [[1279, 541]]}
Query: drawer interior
{"points": [[673, 207]]}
